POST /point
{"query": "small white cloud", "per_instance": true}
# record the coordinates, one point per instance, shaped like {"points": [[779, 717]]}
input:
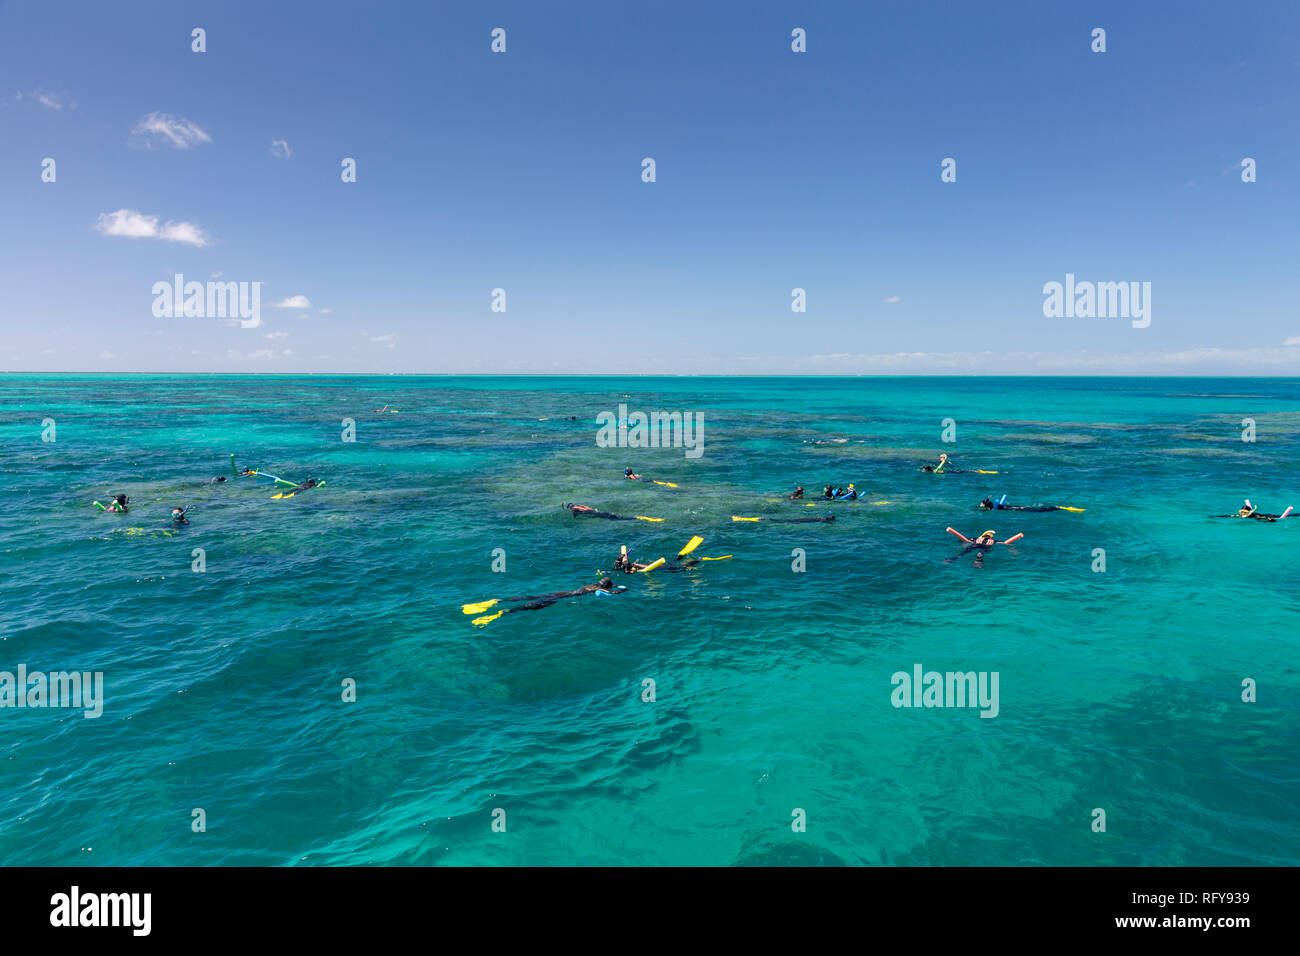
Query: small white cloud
{"points": [[280, 148], [1293, 340], [326, 311], [893, 298], [251, 356], [383, 338], [51, 101], [287, 352], [294, 302], [129, 224], [176, 130], [216, 275], [276, 335], [107, 354]]}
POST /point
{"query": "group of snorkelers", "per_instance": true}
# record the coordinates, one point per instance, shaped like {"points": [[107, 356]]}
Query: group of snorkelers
{"points": [[121, 504]]}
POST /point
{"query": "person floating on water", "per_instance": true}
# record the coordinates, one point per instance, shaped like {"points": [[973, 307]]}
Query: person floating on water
{"points": [[118, 504], [980, 545], [585, 511], [217, 480], [380, 411], [944, 467], [798, 493], [1249, 510], [623, 562], [630, 475], [538, 601], [988, 504], [309, 483], [178, 515]]}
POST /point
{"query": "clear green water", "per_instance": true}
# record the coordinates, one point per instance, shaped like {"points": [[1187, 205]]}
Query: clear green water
{"points": [[1119, 690]]}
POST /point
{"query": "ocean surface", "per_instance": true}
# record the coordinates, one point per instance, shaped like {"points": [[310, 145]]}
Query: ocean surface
{"points": [[1119, 690]]}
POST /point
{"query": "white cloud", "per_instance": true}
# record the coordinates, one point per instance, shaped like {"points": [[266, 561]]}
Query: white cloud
{"points": [[1293, 340], [288, 352], [276, 335], [51, 101], [216, 275], [106, 354], [280, 148], [130, 224], [294, 302], [383, 338], [259, 355], [893, 298], [176, 130], [326, 311]]}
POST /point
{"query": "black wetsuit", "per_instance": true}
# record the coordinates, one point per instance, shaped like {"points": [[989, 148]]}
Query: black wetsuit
{"points": [[980, 549], [537, 601], [1254, 514], [986, 506], [580, 513]]}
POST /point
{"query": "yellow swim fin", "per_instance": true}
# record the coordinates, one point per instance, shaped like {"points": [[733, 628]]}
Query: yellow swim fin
{"points": [[666, 484], [486, 619], [725, 557], [739, 518], [644, 518], [691, 545], [1064, 508], [477, 606]]}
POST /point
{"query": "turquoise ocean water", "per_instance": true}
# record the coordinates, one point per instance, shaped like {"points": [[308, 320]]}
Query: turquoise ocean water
{"points": [[1118, 690]]}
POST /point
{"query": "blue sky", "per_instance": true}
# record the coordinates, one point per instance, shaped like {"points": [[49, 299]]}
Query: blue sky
{"points": [[775, 171]]}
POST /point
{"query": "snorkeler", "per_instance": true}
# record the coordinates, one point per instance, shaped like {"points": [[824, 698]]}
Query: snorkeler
{"points": [[629, 474], [625, 563], [585, 511], [942, 468], [118, 504], [178, 515], [980, 545], [537, 601], [1251, 511], [988, 504], [798, 493], [217, 480]]}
